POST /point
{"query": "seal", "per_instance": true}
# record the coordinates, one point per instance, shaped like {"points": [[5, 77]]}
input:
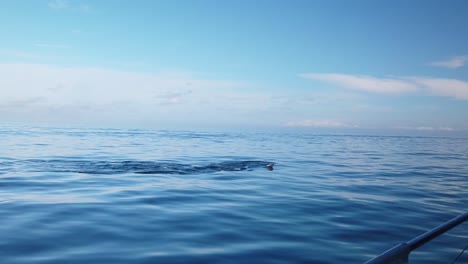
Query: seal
{"points": [[270, 166]]}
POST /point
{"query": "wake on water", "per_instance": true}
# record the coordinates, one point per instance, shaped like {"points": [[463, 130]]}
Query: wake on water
{"points": [[133, 166]]}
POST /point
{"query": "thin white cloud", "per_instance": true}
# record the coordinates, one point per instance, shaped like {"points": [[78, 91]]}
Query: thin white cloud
{"points": [[69, 5], [59, 4], [365, 83], [444, 87], [454, 88], [320, 123], [452, 63], [21, 103], [18, 54], [427, 128], [174, 98], [52, 46]]}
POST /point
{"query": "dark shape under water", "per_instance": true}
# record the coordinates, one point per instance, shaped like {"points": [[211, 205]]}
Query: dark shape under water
{"points": [[141, 167]]}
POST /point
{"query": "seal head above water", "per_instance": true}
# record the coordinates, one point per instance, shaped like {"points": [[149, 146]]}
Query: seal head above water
{"points": [[270, 166]]}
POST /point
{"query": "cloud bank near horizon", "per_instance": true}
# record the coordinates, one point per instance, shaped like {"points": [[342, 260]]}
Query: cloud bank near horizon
{"points": [[43, 93], [55, 94], [321, 123]]}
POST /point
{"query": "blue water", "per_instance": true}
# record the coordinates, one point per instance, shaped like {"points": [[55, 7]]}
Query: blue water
{"points": [[146, 196]]}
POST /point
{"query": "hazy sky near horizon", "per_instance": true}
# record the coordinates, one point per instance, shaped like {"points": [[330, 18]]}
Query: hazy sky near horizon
{"points": [[400, 65]]}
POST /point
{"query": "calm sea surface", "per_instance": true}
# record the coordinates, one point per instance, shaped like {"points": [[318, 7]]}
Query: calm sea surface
{"points": [[143, 196]]}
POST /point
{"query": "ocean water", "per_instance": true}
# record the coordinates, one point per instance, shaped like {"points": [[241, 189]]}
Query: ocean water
{"points": [[89, 196]]}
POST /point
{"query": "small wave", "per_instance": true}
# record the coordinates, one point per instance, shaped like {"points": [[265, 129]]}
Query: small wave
{"points": [[139, 167]]}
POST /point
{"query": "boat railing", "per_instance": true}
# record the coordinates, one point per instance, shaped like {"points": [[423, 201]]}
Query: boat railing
{"points": [[400, 253]]}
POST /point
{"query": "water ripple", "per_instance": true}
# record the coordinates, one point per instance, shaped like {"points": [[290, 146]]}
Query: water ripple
{"points": [[130, 166], [144, 196]]}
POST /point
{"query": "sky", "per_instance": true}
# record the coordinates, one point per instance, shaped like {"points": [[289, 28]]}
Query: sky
{"points": [[334, 65]]}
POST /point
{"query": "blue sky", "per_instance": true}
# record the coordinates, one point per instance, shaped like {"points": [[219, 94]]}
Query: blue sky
{"points": [[306, 65]]}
